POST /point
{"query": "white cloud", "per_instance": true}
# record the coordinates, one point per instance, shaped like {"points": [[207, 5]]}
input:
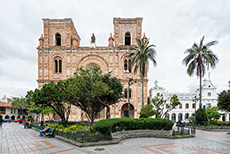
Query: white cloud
{"points": [[173, 26]]}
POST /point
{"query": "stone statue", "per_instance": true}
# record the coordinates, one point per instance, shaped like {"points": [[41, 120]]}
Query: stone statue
{"points": [[93, 38]]}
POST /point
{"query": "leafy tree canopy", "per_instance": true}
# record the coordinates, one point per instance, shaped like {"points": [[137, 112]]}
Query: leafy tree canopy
{"points": [[224, 100], [88, 92], [159, 105], [147, 111], [212, 113], [139, 58]]}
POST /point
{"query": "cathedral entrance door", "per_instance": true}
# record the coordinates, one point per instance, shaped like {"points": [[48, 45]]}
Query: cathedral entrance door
{"points": [[124, 111]]}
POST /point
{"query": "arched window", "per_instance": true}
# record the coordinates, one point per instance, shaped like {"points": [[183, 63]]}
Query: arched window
{"points": [[125, 65], [186, 115], [209, 94], [58, 39], [129, 65], [173, 117], [127, 38], [58, 65]]}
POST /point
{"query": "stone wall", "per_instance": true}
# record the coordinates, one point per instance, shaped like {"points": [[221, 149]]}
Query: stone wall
{"points": [[141, 133]]}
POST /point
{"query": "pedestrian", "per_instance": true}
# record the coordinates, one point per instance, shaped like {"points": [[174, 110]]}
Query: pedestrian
{"points": [[44, 130], [180, 123], [1, 122]]}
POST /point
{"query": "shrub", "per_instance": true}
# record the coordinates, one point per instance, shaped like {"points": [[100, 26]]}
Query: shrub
{"points": [[200, 116], [106, 126], [217, 123]]}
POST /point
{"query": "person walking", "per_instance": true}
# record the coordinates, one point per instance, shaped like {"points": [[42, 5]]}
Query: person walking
{"points": [[1, 122]]}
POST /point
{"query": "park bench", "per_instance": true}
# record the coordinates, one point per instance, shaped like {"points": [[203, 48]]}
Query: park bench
{"points": [[50, 132], [29, 125]]}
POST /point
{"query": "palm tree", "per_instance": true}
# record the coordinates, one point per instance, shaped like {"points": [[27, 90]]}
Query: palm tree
{"points": [[200, 56], [139, 58]]}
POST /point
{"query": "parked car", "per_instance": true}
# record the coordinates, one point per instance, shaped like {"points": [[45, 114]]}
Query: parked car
{"points": [[6, 120], [19, 120]]}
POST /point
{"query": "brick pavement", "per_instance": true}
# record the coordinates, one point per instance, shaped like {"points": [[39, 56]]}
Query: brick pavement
{"points": [[15, 139]]}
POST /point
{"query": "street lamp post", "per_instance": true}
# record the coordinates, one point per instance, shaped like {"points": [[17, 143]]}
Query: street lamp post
{"points": [[129, 84], [41, 116], [195, 99]]}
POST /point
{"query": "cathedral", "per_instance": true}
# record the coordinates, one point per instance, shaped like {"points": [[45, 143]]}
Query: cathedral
{"points": [[60, 54]]}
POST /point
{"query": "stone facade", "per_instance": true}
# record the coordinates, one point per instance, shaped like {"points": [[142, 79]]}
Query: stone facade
{"points": [[60, 54]]}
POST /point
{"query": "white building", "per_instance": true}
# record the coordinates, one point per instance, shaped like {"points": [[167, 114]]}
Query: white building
{"points": [[188, 102], [6, 112]]}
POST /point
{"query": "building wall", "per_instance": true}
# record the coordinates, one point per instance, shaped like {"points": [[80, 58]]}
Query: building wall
{"points": [[110, 58], [209, 98]]}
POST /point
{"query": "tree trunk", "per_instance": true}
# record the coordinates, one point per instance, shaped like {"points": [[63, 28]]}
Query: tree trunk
{"points": [[142, 90], [108, 112], [91, 125], [200, 90]]}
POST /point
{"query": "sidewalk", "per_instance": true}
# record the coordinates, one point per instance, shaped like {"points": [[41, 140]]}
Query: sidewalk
{"points": [[14, 139]]}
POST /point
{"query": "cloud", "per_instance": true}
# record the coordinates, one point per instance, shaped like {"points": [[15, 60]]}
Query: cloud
{"points": [[173, 26]]}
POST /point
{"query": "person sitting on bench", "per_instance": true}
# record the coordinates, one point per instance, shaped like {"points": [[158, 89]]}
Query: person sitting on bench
{"points": [[44, 130]]}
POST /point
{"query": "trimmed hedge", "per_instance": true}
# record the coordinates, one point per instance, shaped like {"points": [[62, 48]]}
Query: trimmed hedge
{"points": [[106, 126]]}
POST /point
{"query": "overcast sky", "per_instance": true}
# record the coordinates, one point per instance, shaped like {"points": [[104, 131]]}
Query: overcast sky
{"points": [[172, 25]]}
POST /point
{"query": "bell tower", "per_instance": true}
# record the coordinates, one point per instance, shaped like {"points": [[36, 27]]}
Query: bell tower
{"points": [[126, 30]]}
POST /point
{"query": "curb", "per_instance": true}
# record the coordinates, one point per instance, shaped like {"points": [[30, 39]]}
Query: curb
{"points": [[114, 141], [215, 130]]}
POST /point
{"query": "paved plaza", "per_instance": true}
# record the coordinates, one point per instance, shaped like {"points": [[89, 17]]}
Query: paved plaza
{"points": [[15, 139]]}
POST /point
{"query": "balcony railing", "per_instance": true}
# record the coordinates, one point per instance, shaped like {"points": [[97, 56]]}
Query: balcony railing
{"points": [[2, 112]]}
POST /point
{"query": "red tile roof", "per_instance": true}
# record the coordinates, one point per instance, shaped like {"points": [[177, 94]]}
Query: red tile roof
{"points": [[4, 104]]}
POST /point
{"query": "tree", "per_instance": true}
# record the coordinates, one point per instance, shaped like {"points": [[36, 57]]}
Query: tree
{"points": [[53, 96], [116, 89], [212, 113], [224, 100], [200, 116], [139, 59], [159, 105], [174, 101], [200, 56], [85, 90], [147, 111]]}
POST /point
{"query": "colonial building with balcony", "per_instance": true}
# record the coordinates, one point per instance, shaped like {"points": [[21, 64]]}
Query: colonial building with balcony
{"points": [[189, 101]]}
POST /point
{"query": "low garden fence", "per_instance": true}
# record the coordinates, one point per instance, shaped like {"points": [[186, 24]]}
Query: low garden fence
{"points": [[226, 126], [79, 137], [84, 137], [184, 131]]}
